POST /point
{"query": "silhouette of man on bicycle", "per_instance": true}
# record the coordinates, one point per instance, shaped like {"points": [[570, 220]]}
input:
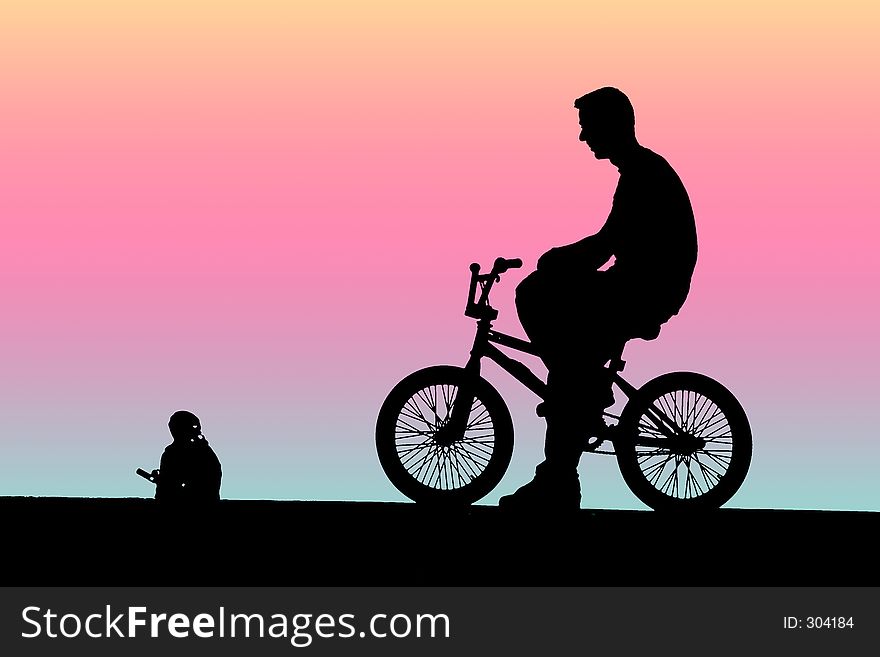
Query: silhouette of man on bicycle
{"points": [[578, 315]]}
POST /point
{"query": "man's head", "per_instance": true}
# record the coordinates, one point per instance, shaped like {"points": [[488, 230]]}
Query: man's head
{"points": [[184, 426], [607, 122]]}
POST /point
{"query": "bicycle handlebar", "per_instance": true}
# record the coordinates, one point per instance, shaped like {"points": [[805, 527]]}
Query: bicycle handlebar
{"points": [[479, 308], [503, 264], [500, 266]]}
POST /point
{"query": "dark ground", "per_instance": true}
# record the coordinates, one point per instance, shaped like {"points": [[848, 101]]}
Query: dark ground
{"points": [[91, 542]]}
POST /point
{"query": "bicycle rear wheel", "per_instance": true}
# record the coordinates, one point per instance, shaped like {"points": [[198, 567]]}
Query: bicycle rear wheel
{"points": [[702, 473], [427, 464]]}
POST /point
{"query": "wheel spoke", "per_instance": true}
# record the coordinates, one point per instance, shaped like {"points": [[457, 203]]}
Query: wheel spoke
{"points": [[722, 461], [424, 462], [482, 419], [410, 428], [474, 467], [692, 482], [424, 399], [415, 457], [654, 471], [414, 412], [458, 469], [699, 407], [479, 458], [671, 480], [709, 420], [433, 471], [700, 413], [448, 397], [705, 467], [465, 465]]}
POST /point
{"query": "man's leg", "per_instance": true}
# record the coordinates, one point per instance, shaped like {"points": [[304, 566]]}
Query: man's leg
{"points": [[552, 311], [571, 419], [578, 392], [541, 307]]}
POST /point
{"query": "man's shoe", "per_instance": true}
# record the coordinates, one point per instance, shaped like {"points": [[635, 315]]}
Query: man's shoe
{"points": [[548, 491]]}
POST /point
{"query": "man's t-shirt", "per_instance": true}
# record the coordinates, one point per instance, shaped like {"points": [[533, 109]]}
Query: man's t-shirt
{"points": [[652, 234]]}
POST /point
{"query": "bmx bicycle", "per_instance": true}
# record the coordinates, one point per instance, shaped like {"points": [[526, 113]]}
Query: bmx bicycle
{"points": [[444, 435]]}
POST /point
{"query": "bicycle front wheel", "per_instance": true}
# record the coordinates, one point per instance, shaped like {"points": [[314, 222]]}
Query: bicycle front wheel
{"points": [[705, 466], [426, 463]]}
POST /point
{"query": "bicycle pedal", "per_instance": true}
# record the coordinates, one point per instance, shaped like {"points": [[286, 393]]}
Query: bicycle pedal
{"points": [[607, 433], [592, 443]]}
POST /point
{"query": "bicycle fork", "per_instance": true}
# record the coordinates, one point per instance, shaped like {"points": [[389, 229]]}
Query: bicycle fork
{"points": [[464, 397], [483, 348]]}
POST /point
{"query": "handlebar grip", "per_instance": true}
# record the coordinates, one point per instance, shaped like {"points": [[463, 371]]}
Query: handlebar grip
{"points": [[503, 264]]}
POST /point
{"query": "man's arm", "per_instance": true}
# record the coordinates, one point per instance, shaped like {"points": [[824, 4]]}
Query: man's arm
{"points": [[166, 476], [589, 253]]}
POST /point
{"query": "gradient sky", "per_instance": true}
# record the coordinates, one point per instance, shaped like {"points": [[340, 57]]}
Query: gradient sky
{"points": [[264, 212]]}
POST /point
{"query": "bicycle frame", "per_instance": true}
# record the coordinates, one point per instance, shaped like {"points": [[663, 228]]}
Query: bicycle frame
{"points": [[484, 347]]}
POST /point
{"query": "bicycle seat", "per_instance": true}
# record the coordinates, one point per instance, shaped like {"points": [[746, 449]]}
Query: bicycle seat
{"points": [[647, 331]]}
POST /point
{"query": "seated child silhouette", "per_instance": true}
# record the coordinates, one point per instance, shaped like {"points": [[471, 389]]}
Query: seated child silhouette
{"points": [[189, 471]]}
